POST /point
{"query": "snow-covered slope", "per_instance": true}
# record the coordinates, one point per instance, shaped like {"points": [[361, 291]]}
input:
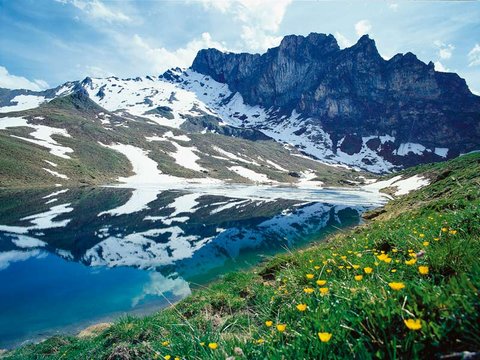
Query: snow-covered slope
{"points": [[176, 97]]}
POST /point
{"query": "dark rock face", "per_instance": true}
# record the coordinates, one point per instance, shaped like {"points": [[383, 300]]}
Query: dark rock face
{"points": [[354, 92]]}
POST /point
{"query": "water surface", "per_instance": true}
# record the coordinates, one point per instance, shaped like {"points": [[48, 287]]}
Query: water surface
{"points": [[73, 257]]}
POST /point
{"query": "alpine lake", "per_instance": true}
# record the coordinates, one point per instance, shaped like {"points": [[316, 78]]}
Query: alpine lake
{"points": [[70, 258]]}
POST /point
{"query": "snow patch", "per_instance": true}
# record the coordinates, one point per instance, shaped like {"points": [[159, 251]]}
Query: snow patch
{"points": [[250, 174], [441, 152], [57, 174], [412, 183], [407, 148], [24, 102], [404, 186], [186, 157], [50, 163], [233, 156], [42, 135]]}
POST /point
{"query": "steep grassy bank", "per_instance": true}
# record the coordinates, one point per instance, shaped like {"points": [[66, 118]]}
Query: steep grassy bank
{"points": [[405, 285]]}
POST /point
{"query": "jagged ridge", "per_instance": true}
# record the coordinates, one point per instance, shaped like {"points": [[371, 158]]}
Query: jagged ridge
{"points": [[354, 92]]}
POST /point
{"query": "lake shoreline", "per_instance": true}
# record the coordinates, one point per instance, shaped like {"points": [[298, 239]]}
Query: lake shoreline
{"points": [[277, 209]]}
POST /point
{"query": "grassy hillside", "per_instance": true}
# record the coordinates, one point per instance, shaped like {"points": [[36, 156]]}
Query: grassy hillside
{"points": [[405, 285], [22, 164]]}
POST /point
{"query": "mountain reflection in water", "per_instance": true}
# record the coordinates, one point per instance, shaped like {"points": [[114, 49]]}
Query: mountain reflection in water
{"points": [[70, 258]]}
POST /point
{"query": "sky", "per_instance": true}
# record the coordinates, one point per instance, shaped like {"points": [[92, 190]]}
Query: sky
{"points": [[44, 43]]}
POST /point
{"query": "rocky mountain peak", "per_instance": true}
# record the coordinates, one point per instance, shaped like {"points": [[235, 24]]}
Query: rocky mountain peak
{"points": [[354, 93], [316, 44], [367, 46]]}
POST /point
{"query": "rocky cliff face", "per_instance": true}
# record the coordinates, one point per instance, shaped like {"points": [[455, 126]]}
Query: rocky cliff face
{"points": [[401, 109]]}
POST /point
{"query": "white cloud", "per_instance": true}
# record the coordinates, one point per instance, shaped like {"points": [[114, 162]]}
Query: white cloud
{"points": [[260, 19], [258, 40], [10, 81], [363, 27], [440, 67], [98, 10], [161, 59], [94, 71], [444, 50], [342, 40], [393, 6], [474, 56]]}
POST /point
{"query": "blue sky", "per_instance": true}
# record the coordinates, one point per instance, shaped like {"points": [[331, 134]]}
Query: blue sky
{"points": [[47, 42]]}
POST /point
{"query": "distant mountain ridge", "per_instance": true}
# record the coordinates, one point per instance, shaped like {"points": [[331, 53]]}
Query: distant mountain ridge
{"points": [[339, 106]]}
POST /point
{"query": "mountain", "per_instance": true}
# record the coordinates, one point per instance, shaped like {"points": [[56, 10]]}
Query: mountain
{"points": [[278, 117], [352, 104], [72, 140]]}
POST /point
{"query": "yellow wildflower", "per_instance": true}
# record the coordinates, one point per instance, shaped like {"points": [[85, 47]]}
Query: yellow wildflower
{"points": [[358, 277], [321, 282], [317, 267], [368, 270], [202, 343], [422, 235], [167, 357], [423, 270], [308, 290], [302, 307], [260, 341], [436, 239], [165, 343], [413, 324], [323, 290], [213, 346], [393, 270], [356, 266], [281, 327], [309, 276], [324, 336], [394, 250], [444, 229], [411, 261], [268, 323], [452, 232], [328, 270], [396, 285], [426, 243]]}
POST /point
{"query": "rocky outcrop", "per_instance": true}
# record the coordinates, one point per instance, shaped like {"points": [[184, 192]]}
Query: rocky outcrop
{"points": [[354, 93]]}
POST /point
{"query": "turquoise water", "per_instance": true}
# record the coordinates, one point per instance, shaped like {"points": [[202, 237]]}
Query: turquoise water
{"points": [[71, 258]]}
